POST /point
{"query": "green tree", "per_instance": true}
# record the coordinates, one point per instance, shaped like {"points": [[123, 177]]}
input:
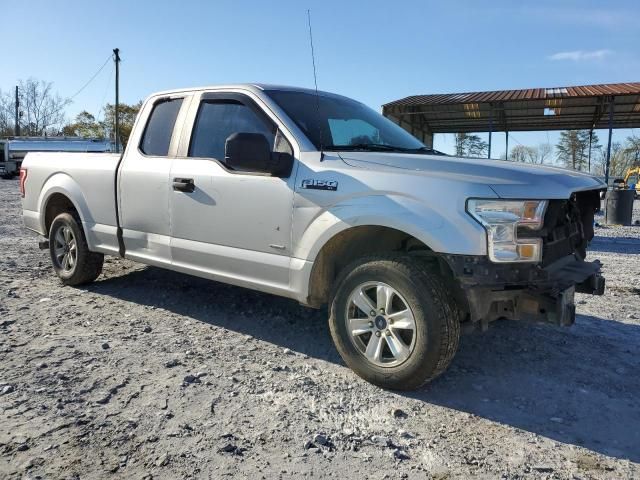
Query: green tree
{"points": [[468, 145], [85, 125], [573, 148], [128, 114]]}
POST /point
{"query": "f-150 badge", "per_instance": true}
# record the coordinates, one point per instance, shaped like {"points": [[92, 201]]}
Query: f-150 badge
{"points": [[320, 184]]}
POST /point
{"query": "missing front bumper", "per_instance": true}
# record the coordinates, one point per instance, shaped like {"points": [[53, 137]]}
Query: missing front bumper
{"points": [[528, 293]]}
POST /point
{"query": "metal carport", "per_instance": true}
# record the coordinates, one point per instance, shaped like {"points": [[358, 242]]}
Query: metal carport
{"points": [[588, 107]]}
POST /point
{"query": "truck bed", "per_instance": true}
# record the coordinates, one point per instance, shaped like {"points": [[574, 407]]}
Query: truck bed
{"points": [[87, 178]]}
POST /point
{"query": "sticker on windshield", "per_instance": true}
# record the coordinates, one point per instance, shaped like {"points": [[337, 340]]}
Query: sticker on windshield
{"points": [[311, 184]]}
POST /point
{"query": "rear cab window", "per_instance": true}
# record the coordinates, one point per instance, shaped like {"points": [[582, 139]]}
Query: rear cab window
{"points": [[156, 138]]}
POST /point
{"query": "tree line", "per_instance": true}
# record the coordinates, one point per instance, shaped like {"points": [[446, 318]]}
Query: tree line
{"points": [[574, 150], [42, 113]]}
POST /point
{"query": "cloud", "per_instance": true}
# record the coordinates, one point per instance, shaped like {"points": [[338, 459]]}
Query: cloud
{"points": [[581, 55]]}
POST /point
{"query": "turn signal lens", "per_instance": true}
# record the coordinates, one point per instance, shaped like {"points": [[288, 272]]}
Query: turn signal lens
{"points": [[23, 179]]}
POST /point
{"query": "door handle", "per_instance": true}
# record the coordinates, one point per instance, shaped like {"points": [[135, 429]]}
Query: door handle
{"points": [[184, 185]]}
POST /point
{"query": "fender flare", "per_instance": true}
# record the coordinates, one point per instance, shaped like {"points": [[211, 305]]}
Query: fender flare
{"points": [[62, 183]]}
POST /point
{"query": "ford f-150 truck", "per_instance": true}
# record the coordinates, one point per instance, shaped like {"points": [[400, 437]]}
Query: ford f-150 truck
{"points": [[316, 197]]}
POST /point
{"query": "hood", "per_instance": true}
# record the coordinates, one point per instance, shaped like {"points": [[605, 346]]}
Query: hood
{"points": [[507, 179]]}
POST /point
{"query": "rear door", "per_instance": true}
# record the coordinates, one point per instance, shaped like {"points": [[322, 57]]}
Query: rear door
{"points": [[144, 187], [233, 226]]}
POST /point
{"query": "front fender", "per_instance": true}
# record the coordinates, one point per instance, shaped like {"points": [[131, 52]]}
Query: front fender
{"points": [[453, 233]]}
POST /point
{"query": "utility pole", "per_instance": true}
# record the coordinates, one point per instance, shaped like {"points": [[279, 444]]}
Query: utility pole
{"points": [[116, 58], [17, 124]]}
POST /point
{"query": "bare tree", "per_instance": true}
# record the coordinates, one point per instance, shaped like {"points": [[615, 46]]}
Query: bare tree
{"points": [[7, 114], [521, 153], [41, 109], [543, 154], [632, 146], [623, 156]]}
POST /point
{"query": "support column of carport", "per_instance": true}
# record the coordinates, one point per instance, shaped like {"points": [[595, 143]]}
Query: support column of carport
{"points": [[490, 128], [612, 102]]}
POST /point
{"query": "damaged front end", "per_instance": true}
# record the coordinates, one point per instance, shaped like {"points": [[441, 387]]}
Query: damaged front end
{"points": [[541, 291]]}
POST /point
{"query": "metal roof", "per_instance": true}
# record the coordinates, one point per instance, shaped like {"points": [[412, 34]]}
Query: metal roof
{"points": [[556, 108]]}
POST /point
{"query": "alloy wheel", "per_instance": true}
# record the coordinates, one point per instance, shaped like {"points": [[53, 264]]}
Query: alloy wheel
{"points": [[65, 249], [381, 324]]}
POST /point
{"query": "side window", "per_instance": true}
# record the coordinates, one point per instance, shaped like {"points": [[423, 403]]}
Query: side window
{"points": [[157, 133], [282, 145], [218, 119]]}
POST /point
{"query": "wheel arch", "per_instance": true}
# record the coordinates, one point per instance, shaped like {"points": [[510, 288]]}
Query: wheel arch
{"points": [[59, 194], [365, 240]]}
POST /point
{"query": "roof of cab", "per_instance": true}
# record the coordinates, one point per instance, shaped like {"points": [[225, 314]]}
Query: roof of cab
{"points": [[254, 87]]}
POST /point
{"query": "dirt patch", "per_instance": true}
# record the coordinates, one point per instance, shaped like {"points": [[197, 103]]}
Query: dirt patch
{"points": [[148, 373]]}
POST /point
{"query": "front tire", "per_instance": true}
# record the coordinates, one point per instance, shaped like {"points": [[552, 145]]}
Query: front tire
{"points": [[393, 321], [72, 261]]}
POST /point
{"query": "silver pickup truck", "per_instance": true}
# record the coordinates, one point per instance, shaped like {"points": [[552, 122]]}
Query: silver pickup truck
{"points": [[316, 197]]}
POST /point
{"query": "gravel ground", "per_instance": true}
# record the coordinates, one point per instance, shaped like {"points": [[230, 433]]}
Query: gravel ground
{"points": [[152, 374]]}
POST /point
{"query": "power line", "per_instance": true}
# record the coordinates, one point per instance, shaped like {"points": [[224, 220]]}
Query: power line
{"points": [[90, 80], [104, 97], [511, 136], [69, 99]]}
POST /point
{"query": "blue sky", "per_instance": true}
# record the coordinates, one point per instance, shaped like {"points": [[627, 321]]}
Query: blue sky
{"points": [[374, 51]]}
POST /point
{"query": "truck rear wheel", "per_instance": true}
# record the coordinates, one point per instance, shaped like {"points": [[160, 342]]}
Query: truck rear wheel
{"points": [[72, 261], [393, 322]]}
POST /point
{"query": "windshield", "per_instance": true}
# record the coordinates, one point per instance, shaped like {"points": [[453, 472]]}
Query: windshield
{"points": [[339, 123]]}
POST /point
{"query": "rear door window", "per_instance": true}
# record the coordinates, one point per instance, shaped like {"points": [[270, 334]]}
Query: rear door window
{"points": [[157, 134]]}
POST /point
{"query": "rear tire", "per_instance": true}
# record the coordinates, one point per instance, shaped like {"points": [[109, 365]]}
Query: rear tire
{"points": [[412, 345], [72, 261]]}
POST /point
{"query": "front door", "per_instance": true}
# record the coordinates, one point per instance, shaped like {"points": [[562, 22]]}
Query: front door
{"points": [[229, 225]]}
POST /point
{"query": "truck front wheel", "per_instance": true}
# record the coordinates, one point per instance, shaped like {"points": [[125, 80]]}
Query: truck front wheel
{"points": [[393, 321], [72, 261]]}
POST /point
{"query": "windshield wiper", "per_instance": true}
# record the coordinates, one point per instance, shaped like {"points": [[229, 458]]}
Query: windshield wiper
{"points": [[374, 147], [381, 147], [426, 150]]}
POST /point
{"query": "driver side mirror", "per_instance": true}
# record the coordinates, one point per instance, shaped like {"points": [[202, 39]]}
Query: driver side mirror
{"points": [[250, 152]]}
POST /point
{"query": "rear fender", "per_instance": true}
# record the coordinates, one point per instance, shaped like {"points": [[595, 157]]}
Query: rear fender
{"points": [[67, 186]]}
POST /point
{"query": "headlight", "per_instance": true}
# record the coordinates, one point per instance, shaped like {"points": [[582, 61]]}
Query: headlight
{"points": [[501, 219]]}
